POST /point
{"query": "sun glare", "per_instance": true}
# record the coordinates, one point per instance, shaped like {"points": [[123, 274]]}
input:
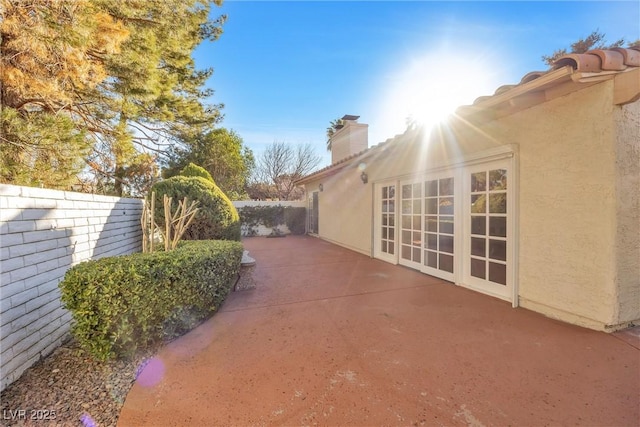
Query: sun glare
{"points": [[429, 89]]}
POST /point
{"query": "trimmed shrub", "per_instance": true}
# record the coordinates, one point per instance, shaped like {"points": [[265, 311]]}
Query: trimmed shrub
{"points": [[217, 218], [273, 216], [123, 303], [296, 219], [194, 170]]}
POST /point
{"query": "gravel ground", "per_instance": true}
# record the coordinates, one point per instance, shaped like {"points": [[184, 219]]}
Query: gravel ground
{"points": [[69, 388]]}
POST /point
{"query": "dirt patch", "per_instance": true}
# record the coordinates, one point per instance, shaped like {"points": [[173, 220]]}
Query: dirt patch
{"points": [[70, 388]]}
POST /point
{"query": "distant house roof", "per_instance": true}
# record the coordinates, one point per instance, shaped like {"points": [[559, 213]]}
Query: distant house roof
{"points": [[588, 68]]}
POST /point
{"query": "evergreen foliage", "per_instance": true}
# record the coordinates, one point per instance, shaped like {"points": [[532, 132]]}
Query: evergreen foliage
{"points": [[40, 149], [123, 303], [221, 152], [217, 218], [252, 217], [118, 74], [195, 170]]}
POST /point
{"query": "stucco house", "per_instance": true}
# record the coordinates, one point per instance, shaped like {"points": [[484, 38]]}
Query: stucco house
{"points": [[531, 195]]}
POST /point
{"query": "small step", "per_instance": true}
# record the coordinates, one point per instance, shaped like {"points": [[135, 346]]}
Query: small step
{"points": [[247, 261]]}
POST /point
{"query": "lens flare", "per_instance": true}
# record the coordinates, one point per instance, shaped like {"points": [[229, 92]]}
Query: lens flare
{"points": [[150, 373], [87, 421]]}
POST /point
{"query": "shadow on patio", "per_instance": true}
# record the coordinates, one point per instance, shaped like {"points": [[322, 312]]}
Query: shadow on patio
{"points": [[332, 337]]}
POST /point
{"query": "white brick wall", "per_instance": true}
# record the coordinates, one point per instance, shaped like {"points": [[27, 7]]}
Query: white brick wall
{"points": [[42, 233]]}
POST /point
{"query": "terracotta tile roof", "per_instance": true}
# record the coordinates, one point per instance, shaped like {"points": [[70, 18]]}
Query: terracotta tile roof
{"points": [[594, 62]]}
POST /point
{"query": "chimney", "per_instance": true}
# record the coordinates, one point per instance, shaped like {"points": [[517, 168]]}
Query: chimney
{"points": [[351, 138]]}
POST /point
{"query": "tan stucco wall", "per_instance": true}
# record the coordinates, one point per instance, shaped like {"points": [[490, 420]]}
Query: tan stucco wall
{"points": [[576, 243], [627, 121], [567, 205], [345, 210]]}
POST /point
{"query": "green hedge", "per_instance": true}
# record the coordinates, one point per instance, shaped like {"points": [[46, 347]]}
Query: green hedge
{"points": [[127, 302], [216, 219], [274, 216]]}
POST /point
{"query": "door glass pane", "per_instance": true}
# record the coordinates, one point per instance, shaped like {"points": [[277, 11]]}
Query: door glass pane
{"points": [[478, 268], [417, 191], [391, 248], [498, 249], [498, 179], [431, 223], [416, 222], [384, 246], [446, 187], [406, 207], [478, 247], [498, 203], [392, 220], [384, 232], [479, 181], [446, 224], [417, 207], [478, 203], [406, 191], [446, 244], [431, 188], [498, 226], [478, 225], [417, 240], [406, 236], [406, 221], [416, 254], [385, 192], [406, 252], [498, 273], [432, 241], [392, 192], [431, 206], [392, 234], [446, 263], [432, 259], [446, 206]]}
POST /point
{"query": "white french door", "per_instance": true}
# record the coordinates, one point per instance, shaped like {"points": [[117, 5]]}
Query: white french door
{"points": [[427, 221], [385, 223], [440, 226], [488, 206], [455, 224], [411, 219]]}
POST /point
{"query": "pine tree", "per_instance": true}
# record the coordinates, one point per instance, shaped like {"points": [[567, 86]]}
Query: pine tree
{"points": [[154, 90], [50, 51]]}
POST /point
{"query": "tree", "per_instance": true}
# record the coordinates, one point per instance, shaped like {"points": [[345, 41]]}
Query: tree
{"points": [[120, 72], [334, 125], [154, 90], [221, 152], [595, 40], [280, 165], [51, 51]]}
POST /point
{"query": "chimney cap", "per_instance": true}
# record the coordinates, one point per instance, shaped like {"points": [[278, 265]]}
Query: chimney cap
{"points": [[350, 117]]}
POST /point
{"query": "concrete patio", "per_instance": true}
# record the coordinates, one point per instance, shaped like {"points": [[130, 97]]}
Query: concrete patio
{"points": [[332, 337]]}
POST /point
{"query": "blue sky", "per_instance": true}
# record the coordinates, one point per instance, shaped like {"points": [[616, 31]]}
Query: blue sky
{"points": [[284, 70]]}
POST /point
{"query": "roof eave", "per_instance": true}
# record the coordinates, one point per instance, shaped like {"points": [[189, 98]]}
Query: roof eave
{"points": [[548, 79]]}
